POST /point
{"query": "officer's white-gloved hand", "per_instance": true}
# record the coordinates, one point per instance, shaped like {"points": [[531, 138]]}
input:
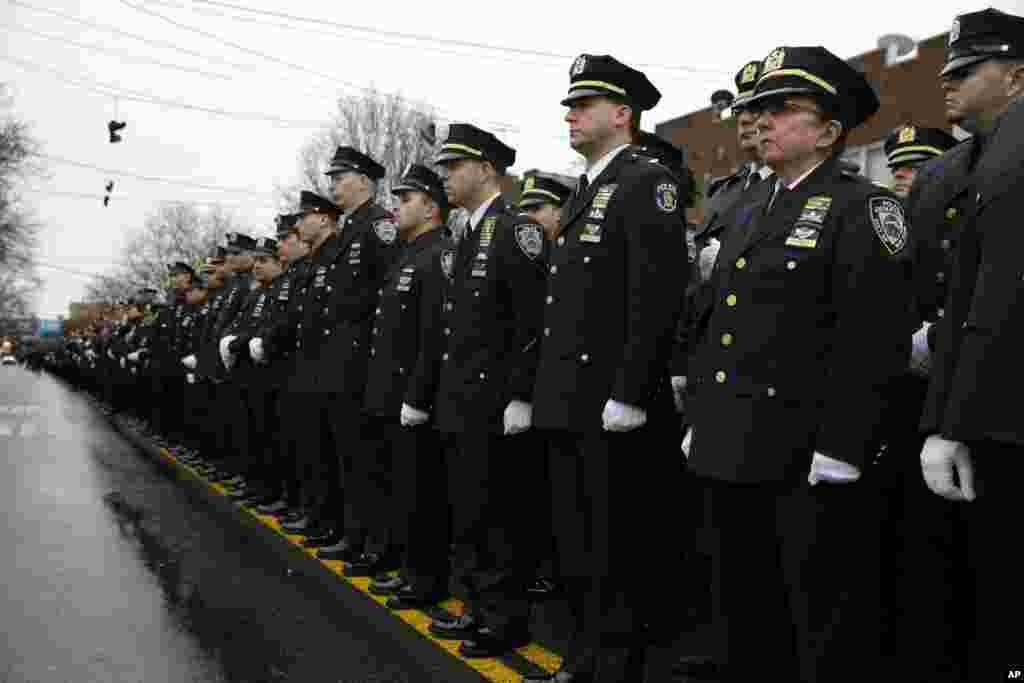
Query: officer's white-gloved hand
{"points": [[620, 417], [920, 354], [518, 417], [678, 392], [412, 417], [110, 354], [256, 350], [190, 362], [226, 357], [687, 442], [831, 471], [939, 457], [707, 257]]}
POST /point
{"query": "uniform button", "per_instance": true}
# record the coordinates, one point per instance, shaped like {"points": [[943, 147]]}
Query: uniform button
{"points": [[951, 213], [380, 292], [741, 263], [730, 300], [378, 311], [942, 312], [720, 376], [790, 265], [447, 331], [476, 293], [373, 352], [945, 244], [547, 331], [586, 259], [940, 277], [448, 306], [561, 241], [300, 309], [553, 269], [401, 371], [444, 357], [404, 306], [324, 310], [585, 357], [483, 375], [551, 299], [771, 392], [727, 339], [328, 289], [375, 330]]}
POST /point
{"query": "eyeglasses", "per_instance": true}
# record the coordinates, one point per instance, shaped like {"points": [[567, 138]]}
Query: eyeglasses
{"points": [[776, 107]]}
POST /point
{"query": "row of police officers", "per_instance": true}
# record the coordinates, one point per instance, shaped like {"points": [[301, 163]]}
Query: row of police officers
{"points": [[481, 412]]}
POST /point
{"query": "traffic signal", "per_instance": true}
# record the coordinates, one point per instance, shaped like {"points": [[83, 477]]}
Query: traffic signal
{"points": [[114, 127]]}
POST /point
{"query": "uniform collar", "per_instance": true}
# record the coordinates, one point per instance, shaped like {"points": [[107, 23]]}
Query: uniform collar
{"points": [[477, 216], [598, 166]]}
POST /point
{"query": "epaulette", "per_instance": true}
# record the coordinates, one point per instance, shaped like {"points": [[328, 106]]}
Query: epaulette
{"points": [[640, 157]]}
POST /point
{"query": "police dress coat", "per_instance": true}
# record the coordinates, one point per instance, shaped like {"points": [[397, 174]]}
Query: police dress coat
{"points": [[279, 329], [226, 307], [811, 321], [616, 275]]}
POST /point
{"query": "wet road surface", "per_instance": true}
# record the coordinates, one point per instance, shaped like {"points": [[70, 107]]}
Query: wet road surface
{"points": [[111, 573]]}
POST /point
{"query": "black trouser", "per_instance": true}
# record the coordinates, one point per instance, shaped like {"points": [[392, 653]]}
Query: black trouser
{"points": [[194, 416], [289, 441], [264, 469], [422, 520], [318, 452], [795, 581], [370, 484]]}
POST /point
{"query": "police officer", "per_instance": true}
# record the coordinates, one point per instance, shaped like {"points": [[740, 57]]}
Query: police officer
{"points": [[409, 505], [972, 454], [602, 394], [908, 148], [542, 197], [342, 300], [165, 369], [492, 325], [809, 323]]}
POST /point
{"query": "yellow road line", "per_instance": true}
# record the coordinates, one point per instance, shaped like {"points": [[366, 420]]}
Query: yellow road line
{"points": [[492, 669]]}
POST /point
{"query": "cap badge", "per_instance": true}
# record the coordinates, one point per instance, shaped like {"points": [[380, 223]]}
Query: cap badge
{"points": [[774, 59], [906, 135], [954, 32], [749, 74], [529, 184], [578, 66]]}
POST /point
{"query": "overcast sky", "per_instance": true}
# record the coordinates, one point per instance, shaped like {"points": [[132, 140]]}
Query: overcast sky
{"points": [[687, 49]]}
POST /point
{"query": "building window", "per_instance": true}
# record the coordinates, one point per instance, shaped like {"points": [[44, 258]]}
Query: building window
{"points": [[872, 162]]}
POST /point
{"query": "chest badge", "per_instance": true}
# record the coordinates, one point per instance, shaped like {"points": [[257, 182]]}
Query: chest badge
{"points": [[808, 225], [603, 196]]}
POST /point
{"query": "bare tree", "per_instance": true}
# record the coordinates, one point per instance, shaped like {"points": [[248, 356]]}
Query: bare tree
{"points": [[173, 232], [18, 230], [387, 127]]}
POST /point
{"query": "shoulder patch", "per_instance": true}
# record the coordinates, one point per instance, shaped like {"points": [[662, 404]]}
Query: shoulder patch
{"points": [[386, 230], [666, 196], [448, 262], [530, 239], [889, 224]]}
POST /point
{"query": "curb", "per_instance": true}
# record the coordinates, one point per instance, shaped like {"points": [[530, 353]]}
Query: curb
{"points": [[437, 656]]}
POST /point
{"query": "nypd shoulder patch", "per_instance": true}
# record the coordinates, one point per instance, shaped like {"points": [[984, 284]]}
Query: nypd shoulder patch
{"points": [[666, 196], [386, 230], [530, 239], [889, 224]]}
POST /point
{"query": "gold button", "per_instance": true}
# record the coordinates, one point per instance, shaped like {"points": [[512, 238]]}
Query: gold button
{"points": [[940, 277], [945, 244], [554, 269], [771, 392], [730, 300], [448, 306], [401, 371], [726, 339], [551, 299], [720, 376], [447, 331], [561, 241], [741, 263], [951, 213], [790, 265], [444, 357], [585, 357], [547, 331], [483, 375], [586, 259]]}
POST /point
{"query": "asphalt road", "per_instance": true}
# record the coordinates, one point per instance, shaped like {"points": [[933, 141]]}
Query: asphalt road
{"points": [[109, 572]]}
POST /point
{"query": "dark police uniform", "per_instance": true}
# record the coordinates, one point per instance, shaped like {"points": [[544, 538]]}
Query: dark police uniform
{"points": [[976, 369], [810, 322], [616, 275], [406, 502], [492, 326]]}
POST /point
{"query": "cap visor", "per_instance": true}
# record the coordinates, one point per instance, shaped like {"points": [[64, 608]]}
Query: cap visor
{"points": [[406, 188], [529, 202], [961, 62], [341, 168], [445, 157], [587, 92], [776, 93]]}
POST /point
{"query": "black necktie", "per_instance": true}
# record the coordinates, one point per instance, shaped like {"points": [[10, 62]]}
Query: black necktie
{"points": [[753, 178], [776, 194]]}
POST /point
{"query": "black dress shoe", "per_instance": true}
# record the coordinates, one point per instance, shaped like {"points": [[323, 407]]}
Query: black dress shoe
{"points": [[698, 667], [489, 643], [458, 628], [370, 564], [342, 549], [542, 588], [559, 677], [318, 538], [408, 598], [386, 585]]}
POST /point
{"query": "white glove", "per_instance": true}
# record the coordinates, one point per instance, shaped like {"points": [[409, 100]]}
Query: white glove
{"points": [[832, 471], [939, 458], [687, 442], [110, 354], [122, 363], [256, 349], [226, 357], [190, 362], [518, 417], [134, 356], [620, 417], [678, 391], [707, 257], [920, 354], [411, 417]]}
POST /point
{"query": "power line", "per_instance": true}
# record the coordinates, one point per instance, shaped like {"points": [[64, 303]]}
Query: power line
{"points": [[232, 204], [152, 179], [529, 52], [146, 98]]}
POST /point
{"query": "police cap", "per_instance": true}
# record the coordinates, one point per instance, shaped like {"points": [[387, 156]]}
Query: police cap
{"points": [[350, 159], [239, 243], [286, 224], [746, 81], [816, 72], [909, 144], [977, 36], [419, 178], [605, 76], [310, 202], [466, 141], [540, 188], [265, 247], [180, 267]]}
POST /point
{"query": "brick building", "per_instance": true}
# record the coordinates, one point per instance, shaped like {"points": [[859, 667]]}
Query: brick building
{"points": [[907, 86]]}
